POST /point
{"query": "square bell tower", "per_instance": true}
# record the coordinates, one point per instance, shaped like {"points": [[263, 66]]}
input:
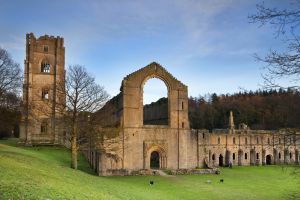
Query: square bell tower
{"points": [[43, 91]]}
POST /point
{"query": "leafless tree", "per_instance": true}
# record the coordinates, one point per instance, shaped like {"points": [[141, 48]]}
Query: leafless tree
{"points": [[284, 64], [83, 96], [10, 86], [10, 74]]}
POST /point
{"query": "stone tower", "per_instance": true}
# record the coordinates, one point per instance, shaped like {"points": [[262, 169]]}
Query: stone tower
{"points": [[231, 123], [44, 72]]}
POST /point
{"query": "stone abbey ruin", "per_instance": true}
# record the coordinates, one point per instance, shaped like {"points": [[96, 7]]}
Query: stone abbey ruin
{"points": [[137, 137]]}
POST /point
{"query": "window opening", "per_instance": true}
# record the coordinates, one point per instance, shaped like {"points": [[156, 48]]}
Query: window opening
{"points": [[155, 102], [45, 67]]}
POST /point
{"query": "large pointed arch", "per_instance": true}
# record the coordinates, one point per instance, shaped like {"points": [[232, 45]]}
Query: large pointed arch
{"points": [[132, 89]]}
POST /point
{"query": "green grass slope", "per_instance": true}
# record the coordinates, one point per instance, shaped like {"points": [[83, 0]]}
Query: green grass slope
{"points": [[44, 173]]}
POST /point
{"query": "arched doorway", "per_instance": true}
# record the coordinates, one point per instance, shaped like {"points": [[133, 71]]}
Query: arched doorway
{"points": [[268, 159], [156, 157], [221, 160], [154, 160]]}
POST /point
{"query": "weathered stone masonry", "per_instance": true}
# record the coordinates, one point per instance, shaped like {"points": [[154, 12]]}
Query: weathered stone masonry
{"points": [[125, 144], [177, 145], [44, 67]]}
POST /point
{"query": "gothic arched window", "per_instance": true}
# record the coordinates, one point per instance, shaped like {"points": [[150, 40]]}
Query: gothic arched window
{"points": [[45, 66]]}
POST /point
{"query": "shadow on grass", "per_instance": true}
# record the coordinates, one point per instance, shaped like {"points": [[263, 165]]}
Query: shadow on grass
{"points": [[293, 196], [84, 166]]}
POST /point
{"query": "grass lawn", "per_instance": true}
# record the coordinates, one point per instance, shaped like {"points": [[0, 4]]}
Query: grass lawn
{"points": [[44, 173]]}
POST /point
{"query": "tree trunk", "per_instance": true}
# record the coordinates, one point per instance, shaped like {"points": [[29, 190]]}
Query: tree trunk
{"points": [[74, 150]]}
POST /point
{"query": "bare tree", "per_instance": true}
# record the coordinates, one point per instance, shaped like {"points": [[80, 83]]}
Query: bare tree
{"points": [[83, 95], [10, 86], [10, 74], [284, 64]]}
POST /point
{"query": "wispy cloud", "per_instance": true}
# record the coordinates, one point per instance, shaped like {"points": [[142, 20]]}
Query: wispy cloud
{"points": [[114, 37]]}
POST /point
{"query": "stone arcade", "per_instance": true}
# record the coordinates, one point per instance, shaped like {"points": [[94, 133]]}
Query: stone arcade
{"points": [[128, 145]]}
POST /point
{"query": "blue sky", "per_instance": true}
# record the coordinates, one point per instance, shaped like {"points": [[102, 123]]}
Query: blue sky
{"points": [[208, 45]]}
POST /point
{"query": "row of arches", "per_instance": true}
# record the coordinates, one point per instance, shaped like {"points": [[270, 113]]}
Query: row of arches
{"points": [[258, 140], [254, 158]]}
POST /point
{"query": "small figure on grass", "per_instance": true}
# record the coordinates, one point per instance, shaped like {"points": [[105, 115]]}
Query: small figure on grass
{"points": [[151, 183]]}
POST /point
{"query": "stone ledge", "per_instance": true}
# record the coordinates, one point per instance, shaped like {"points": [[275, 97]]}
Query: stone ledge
{"points": [[150, 172], [193, 171]]}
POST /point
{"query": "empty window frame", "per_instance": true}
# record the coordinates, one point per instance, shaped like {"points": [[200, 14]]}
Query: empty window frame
{"points": [[44, 127], [45, 67], [45, 94], [46, 48], [213, 157]]}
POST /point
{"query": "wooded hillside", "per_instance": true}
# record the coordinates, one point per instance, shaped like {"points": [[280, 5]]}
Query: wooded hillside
{"points": [[272, 109]]}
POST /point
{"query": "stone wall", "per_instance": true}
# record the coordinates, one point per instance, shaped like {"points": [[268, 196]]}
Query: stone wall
{"points": [[111, 113], [251, 147], [179, 148], [41, 123]]}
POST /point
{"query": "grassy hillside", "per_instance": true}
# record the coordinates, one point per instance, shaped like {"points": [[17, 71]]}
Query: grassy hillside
{"points": [[44, 173]]}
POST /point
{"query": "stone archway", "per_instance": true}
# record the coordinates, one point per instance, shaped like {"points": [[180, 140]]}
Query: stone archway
{"points": [[154, 160], [268, 159], [132, 93], [157, 120], [157, 111], [221, 159]]}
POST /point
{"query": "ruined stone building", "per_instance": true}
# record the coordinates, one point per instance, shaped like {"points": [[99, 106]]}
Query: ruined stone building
{"points": [[132, 137], [138, 144], [44, 68], [139, 141]]}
